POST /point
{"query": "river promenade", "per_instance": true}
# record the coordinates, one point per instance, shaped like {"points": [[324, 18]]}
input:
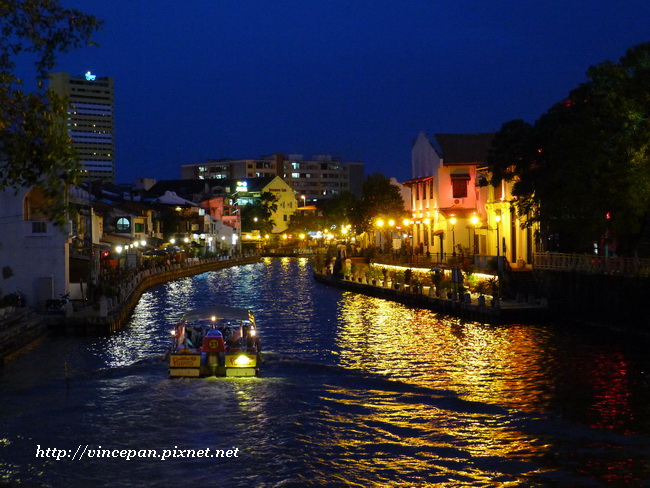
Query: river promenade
{"points": [[22, 328], [477, 308], [113, 313]]}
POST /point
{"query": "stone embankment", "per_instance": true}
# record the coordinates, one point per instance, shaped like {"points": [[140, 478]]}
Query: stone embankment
{"points": [[114, 313], [22, 328]]}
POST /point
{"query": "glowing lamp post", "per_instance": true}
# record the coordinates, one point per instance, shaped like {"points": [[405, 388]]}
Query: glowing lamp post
{"points": [[497, 219], [452, 220]]}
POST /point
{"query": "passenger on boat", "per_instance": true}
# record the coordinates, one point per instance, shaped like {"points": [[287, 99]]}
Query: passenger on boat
{"points": [[195, 335], [251, 341]]}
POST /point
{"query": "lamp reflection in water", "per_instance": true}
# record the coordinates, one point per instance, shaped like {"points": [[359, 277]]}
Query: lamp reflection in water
{"points": [[500, 368]]}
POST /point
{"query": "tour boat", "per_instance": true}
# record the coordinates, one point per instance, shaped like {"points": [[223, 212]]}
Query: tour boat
{"points": [[215, 341]]}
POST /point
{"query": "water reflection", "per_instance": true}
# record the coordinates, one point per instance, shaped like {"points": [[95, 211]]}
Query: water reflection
{"points": [[500, 365], [356, 390]]}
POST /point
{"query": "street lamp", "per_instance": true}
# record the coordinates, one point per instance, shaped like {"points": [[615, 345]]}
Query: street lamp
{"points": [[452, 220], [497, 219], [406, 223], [304, 200]]}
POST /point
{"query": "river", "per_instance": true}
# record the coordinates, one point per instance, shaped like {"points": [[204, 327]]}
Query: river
{"points": [[355, 391]]}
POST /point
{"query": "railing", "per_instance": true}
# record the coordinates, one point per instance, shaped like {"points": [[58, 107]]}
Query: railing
{"points": [[585, 263], [433, 260]]}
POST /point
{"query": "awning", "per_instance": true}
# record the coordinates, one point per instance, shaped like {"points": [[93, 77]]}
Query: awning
{"points": [[115, 240]]}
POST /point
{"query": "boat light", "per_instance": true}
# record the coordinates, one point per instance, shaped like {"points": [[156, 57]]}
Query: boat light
{"points": [[253, 332], [242, 361], [173, 332]]}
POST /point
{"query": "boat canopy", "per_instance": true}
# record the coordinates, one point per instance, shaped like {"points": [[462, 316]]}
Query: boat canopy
{"points": [[218, 313]]}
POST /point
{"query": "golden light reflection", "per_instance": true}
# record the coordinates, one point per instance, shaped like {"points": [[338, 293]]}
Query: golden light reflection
{"points": [[422, 347], [494, 370]]}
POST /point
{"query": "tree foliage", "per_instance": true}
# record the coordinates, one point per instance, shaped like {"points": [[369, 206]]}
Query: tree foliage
{"points": [[36, 149], [379, 199], [337, 210], [262, 210], [583, 170]]}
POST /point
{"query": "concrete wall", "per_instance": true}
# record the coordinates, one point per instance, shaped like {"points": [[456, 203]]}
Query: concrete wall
{"points": [[607, 299], [35, 251]]}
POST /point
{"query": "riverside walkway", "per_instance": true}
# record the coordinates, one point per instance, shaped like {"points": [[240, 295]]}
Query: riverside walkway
{"points": [[23, 328], [502, 311], [114, 312]]}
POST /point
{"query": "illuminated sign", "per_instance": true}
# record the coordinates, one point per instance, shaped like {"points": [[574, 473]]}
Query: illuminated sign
{"points": [[241, 360], [242, 186], [185, 360], [90, 76]]}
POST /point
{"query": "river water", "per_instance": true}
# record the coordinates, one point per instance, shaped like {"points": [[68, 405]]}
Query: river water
{"points": [[355, 391]]}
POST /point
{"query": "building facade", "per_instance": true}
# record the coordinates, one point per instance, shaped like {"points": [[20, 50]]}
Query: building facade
{"points": [[454, 208], [91, 122], [321, 177], [34, 253]]}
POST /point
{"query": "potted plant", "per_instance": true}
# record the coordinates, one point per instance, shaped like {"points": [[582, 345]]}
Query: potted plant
{"points": [[436, 275], [408, 278], [398, 281], [371, 275], [481, 288], [426, 284], [416, 284], [494, 289]]}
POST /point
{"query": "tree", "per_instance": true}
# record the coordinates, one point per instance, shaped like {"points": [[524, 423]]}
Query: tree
{"points": [[379, 198], [36, 149], [508, 150], [582, 171], [337, 210], [262, 210]]}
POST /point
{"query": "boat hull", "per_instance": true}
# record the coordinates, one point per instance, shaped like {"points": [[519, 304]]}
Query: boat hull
{"points": [[184, 365]]}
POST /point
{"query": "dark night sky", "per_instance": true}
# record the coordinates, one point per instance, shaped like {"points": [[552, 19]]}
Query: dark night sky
{"points": [[356, 79]]}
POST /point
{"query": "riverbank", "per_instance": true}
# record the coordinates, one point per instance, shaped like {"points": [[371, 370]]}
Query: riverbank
{"points": [[473, 308], [20, 330], [114, 313], [24, 328]]}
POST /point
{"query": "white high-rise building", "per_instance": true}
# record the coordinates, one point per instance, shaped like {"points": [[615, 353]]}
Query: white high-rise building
{"points": [[91, 122]]}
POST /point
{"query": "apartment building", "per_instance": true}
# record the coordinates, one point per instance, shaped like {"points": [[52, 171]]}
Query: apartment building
{"points": [[321, 177]]}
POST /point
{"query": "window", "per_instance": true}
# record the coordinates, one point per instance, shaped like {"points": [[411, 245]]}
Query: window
{"points": [[123, 225], [459, 186], [139, 228], [39, 227]]}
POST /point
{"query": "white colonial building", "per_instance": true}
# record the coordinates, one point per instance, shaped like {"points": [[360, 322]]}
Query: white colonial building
{"points": [[34, 253]]}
